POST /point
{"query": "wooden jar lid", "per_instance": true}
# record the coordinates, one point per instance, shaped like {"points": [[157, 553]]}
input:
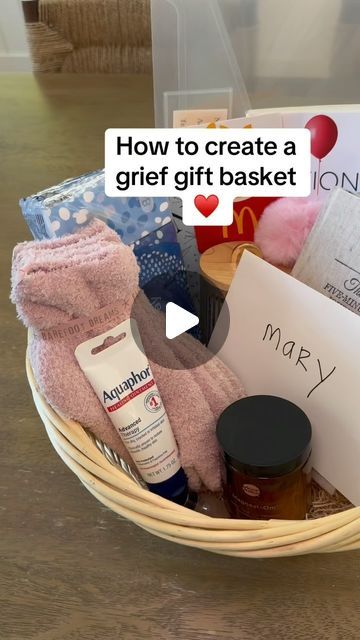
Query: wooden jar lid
{"points": [[218, 264]]}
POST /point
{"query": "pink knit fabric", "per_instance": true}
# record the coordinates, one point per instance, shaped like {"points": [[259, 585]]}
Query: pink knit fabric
{"points": [[58, 280]]}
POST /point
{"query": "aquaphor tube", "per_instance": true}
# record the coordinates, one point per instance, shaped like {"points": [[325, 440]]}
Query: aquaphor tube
{"points": [[118, 370]]}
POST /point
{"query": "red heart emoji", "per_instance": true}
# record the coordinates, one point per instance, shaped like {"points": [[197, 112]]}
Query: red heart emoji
{"points": [[206, 206]]}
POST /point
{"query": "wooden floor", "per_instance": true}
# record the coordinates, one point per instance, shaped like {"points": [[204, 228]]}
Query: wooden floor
{"points": [[69, 568]]}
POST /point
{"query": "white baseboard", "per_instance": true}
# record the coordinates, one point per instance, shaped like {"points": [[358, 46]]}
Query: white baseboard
{"points": [[15, 63]]}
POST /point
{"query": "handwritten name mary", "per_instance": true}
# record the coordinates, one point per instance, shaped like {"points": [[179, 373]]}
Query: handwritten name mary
{"points": [[299, 356]]}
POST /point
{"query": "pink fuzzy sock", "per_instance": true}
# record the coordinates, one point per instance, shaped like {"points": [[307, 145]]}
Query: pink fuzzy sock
{"points": [[284, 227], [96, 231], [73, 277]]}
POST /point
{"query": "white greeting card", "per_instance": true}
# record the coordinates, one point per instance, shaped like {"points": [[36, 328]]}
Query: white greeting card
{"points": [[334, 142], [288, 340]]}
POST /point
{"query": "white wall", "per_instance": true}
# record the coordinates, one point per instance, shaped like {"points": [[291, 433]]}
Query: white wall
{"points": [[14, 51]]}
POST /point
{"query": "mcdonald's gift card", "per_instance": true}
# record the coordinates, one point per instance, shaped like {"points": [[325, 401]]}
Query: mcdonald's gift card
{"points": [[247, 213]]}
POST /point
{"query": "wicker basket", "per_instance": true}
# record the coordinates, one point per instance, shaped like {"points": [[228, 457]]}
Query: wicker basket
{"points": [[117, 490]]}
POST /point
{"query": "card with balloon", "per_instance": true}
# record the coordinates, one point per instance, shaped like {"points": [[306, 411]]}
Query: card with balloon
{"points": [[334, 145], [332, 136]]}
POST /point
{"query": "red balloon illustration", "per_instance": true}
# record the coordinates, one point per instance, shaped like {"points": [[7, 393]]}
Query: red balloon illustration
{"points": [[324, 134]]}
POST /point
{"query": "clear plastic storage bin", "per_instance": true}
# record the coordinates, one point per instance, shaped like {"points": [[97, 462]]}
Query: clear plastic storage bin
{"points": [[214, 53]]}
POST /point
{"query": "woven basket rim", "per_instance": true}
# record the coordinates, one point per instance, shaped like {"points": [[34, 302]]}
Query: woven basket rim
{"points": [[239, 538]]}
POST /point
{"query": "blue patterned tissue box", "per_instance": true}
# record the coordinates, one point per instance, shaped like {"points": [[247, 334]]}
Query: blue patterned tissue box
{"points": [[64, 208]]}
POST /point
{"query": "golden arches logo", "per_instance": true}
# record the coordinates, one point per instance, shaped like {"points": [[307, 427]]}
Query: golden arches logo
{"points": [[238, 216], [239, 220]]}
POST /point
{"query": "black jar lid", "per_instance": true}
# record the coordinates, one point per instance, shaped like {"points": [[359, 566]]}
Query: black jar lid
{"points": [[264, 436]]}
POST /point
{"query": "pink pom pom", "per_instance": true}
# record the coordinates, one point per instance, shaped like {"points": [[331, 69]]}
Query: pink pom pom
{"points": [[284, 227]]}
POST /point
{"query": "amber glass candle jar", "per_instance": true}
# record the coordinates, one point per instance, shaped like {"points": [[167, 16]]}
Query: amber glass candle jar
{"points": [[266, 442]]}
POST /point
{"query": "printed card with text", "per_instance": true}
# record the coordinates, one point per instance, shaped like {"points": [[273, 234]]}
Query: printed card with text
{"points": [[265, 121], [197, 117]]}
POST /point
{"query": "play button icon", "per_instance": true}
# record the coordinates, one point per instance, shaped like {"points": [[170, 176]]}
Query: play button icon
{"points": [[178, 320], [179, 323]]}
